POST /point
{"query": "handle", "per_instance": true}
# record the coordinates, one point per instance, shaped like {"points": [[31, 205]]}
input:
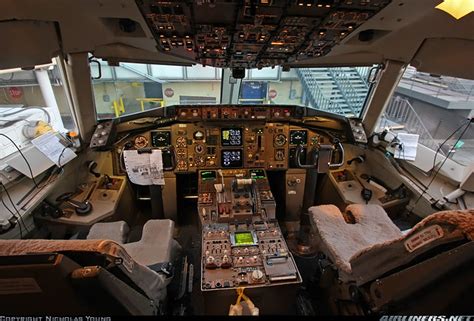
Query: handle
{"points": [[341, 161], [337, 145], [92, 166], [80, 207], [277, 259], [99, 67], [299, 150]]}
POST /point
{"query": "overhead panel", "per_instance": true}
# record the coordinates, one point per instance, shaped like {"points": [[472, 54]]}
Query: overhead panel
{"points": [[254, 34]]}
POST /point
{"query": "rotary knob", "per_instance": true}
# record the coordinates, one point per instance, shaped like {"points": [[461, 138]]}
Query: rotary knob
{"points": [[210, 263], [257, 275], [226, 262]]}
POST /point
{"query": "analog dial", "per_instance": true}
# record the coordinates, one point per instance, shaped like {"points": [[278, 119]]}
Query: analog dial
{"points": [[280, 140], [199, 148], [199, 161], [198, 135], [181, 142], [140, 142]]}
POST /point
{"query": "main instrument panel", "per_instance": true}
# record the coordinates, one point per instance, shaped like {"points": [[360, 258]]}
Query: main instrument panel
{"points": [[230, 145], [232, 137]]}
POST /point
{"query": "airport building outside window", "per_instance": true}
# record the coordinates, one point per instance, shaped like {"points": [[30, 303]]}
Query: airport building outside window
{"points": [[31, 101], [436, 108]]}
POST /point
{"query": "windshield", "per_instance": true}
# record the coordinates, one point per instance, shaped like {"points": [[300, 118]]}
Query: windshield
{"points": [[133, 87]]}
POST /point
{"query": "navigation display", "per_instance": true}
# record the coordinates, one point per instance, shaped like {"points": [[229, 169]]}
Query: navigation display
{"points": [[231, 158], [231, 136]]}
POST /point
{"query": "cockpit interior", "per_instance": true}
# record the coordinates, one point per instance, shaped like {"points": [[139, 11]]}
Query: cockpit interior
{"points": [[223, 157]]}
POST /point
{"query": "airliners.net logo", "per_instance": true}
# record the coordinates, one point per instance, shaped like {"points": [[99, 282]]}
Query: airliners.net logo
{"points": [[427, 318]]}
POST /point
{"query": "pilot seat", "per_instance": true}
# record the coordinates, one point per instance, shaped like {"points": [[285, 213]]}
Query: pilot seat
{"points": [[367, 265], [100, 275]]}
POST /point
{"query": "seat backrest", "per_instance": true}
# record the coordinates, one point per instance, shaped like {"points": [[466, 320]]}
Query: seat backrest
{"points": [[42, 284], [442, 228], [156, 244], [151, 283]]}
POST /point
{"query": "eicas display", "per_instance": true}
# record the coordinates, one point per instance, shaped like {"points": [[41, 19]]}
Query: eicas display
{"points": [[231, 137], [231, 158]]}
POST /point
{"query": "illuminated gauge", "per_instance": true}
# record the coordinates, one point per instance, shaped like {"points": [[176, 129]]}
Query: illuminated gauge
{"points": [[181, 153], [199, 149], [199, 135], [182, 165], [298, 137], [279, 140], [160, 138], [199, 161], [181, 142], [140, 142]]}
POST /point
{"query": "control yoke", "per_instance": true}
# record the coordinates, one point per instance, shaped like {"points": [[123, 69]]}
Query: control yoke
{"points": [[322, 157]]}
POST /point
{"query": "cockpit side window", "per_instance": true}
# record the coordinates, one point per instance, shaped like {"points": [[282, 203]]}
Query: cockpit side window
{"points": [[437, 108], [31, 103]]}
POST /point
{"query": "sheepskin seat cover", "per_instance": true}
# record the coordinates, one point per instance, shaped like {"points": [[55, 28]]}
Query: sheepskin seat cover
{"points": [[375, 260], [341, 240], [373, 245]]}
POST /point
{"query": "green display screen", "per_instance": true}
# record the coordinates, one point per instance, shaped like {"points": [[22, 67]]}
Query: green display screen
{"points": [[244, 238], [208, 175], [257, 173]]}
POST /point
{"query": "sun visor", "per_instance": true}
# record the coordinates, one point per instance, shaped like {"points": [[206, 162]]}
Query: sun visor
{"points": [[27, 43], [446, 56]]}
